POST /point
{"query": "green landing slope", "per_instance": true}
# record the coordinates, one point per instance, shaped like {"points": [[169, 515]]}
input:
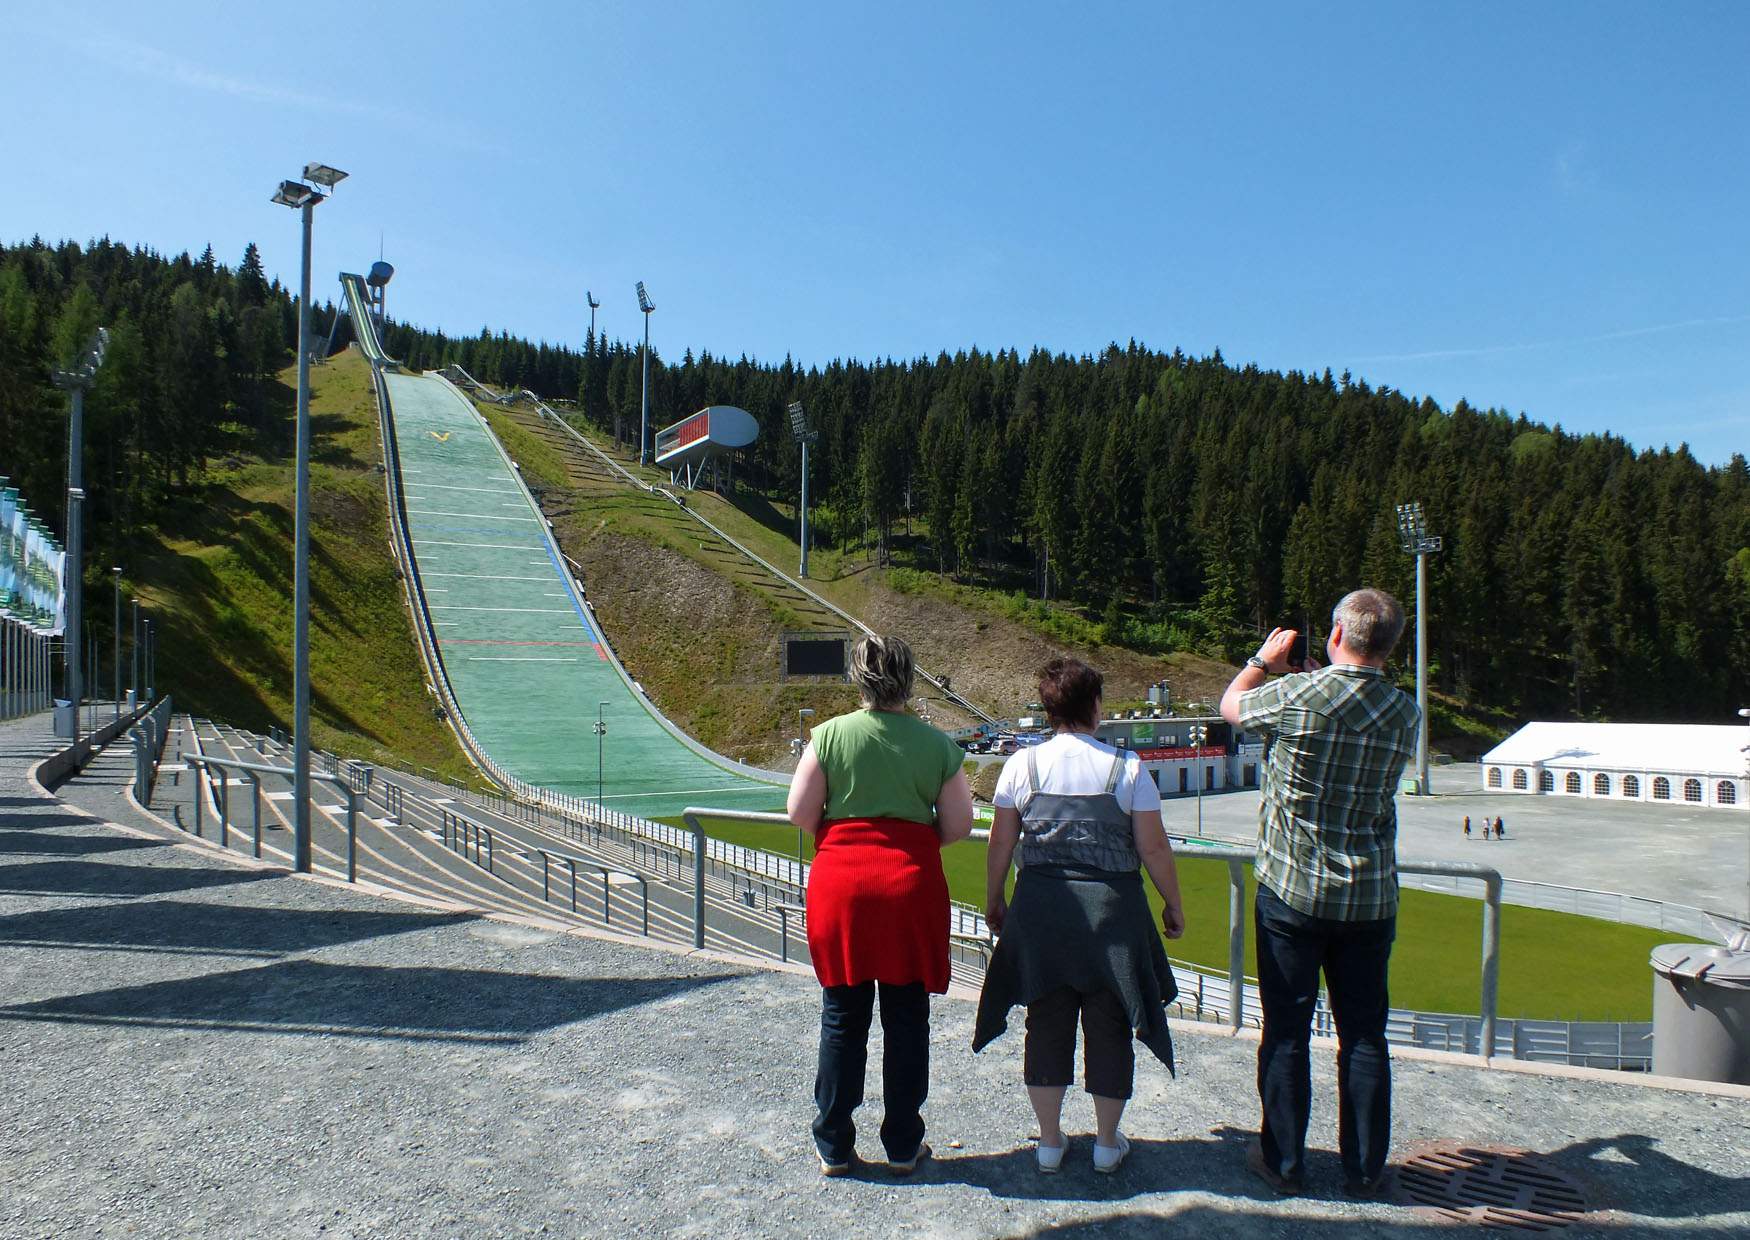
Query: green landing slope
{"points": [[526, 662]]}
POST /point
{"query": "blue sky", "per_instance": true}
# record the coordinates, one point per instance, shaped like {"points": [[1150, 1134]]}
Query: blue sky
{"points": [[1536, 207]]}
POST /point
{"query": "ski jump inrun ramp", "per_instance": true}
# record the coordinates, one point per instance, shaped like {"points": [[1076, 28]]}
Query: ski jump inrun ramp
{"points": [[526, 663]]}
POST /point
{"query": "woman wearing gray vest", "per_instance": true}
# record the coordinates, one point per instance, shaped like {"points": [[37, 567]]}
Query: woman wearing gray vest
{"points": [[1079, 939]]}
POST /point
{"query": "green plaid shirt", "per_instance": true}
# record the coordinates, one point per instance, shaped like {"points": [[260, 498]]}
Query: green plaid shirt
{"points": [[1328, 822]]}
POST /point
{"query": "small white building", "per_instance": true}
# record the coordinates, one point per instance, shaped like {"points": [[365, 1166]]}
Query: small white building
{"points": [[1688, 763]]}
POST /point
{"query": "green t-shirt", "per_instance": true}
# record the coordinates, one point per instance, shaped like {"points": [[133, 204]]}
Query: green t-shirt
{"points": [[884, 764]]}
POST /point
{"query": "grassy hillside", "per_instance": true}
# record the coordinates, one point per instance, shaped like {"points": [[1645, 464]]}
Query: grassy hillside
{"points": [[218, 575]]}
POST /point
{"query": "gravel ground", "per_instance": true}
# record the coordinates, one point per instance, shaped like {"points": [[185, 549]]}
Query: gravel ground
{"points": [[198, 1047]]}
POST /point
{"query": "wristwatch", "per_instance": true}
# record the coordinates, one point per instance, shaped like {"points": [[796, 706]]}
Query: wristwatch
{"points": [[1258, 663]]}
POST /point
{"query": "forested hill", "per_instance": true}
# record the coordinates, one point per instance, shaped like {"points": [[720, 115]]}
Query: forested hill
{"points": [[1186, 502], [1177, 501]]}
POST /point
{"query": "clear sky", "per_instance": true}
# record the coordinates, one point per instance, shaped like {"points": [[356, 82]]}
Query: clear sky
{"points": [[1538, 207]]}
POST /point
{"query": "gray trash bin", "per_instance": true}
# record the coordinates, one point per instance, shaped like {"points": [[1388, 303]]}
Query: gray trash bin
{"points": [[64, 720], [1701, 1012]]}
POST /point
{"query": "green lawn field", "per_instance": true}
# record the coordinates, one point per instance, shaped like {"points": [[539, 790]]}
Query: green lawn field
{"points": [[1554, 966]]}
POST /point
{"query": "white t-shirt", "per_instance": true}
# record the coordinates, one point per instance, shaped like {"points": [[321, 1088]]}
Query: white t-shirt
{"points": [[1073, 763]]}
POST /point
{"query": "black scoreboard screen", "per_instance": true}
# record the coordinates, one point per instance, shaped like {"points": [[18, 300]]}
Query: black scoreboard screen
{"points": [[816, 654]]}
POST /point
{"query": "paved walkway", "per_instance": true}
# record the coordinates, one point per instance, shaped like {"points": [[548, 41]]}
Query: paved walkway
{"points": [[1683, 855], [197, 1046]]}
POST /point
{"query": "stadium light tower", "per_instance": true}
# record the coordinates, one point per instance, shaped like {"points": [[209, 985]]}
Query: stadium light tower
{"points": [[601, 732], [303, 199], [594, 305], [76, 381], [1413, 536], [646, 305], [805, 435]]}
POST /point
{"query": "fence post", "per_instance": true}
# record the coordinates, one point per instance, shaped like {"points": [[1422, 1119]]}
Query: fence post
{"points": [[195, 768], [255, 808], [1236, 944], [224, 808], [352, 833], [1491, 959], [691, 819]]}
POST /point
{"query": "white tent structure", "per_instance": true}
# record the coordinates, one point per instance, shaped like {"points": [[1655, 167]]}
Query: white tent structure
{"points": [[1687, 763]]}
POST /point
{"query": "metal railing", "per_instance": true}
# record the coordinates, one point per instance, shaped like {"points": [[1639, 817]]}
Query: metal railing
{"points": [[149, 736], [209, 771], [611, 875]]}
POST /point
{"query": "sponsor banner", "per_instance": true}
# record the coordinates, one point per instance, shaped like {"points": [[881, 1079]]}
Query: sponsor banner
{"points": [[32, 568], [1181, 753]]}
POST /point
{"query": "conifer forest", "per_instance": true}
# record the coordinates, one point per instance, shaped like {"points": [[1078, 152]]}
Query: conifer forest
{"points": [[1175, 502]]}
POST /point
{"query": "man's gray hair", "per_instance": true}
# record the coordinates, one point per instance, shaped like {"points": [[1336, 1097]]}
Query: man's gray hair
{"points": [[882, 669], [1372, 622]]}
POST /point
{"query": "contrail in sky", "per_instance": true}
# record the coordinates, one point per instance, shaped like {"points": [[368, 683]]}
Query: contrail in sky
{"points": [[1490, 350]]}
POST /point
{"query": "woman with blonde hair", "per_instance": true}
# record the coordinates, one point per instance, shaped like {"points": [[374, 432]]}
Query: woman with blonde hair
{"points": [[883, 792], [1080, 817]]}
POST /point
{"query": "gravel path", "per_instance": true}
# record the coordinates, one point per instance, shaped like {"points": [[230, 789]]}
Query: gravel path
{"points": [[194, 1046]]}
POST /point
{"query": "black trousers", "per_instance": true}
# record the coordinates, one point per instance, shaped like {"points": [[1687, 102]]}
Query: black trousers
{"points": [[1292, 949], [845, 1013], [1108, 1055]]}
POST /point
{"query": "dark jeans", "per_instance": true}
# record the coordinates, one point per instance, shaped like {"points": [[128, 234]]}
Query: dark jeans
{"points": [[1292, 948], [845, 1012], [1108, 1055]]}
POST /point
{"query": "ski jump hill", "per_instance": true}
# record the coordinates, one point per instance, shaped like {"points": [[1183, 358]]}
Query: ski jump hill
{"points": [[509, 638]]}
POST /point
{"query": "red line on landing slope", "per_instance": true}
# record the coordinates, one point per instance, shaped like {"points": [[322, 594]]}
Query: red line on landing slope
{"points": [[496, 641]]}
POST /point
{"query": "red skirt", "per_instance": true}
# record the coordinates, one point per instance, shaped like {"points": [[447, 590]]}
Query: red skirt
{"points": [[878, 904]]}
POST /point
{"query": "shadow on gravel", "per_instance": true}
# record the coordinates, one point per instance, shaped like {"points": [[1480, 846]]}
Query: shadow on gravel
{"points": [[94, 878], [1189, 1164], [363, 1001], [34, 822], [183, 926], [42, 844]]}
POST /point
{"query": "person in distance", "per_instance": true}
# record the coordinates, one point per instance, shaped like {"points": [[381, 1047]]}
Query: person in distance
{"points": [[1079, 818], [1339, 737], [883, 793]]}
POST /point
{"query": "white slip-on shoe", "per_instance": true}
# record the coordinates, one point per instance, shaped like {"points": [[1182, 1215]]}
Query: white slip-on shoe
{"points": [[1051, 1156], [1108, 1157]]}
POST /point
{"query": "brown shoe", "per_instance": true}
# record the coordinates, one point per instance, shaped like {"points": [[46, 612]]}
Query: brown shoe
{"points": [[1281, 1184]]}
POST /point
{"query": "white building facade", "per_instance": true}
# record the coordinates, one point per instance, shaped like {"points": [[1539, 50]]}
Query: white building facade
{"points": [[1690, 764]]}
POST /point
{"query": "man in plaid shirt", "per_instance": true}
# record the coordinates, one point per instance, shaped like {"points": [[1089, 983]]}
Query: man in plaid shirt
{"points": [[1339, 738]]}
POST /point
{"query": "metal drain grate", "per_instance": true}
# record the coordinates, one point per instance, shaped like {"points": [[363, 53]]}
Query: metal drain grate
{"points": [[1497, 1187]]}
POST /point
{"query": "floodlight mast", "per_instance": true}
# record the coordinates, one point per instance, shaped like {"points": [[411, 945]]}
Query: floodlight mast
{"points": [[302, 197], [594, 305], [1413, 536], [804, 435], [76, 381], [645, 305]]}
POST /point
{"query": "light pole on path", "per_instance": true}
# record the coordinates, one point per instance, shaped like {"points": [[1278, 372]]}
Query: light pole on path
{"points": [[1413, 536], [303, 199], [117, 660], [804, 435], [76, 381], [1199, 734], [601, 732]]}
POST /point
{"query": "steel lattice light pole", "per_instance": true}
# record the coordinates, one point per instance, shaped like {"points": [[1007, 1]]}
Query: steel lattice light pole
{"points": [[1413, 536], [76, 382], [594, 305], [117, 633], [804, 435], [303, 198], [646, 305]]}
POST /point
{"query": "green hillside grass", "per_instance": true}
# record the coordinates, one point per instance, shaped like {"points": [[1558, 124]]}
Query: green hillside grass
{"points": [[1554, 966], [218, 575]]}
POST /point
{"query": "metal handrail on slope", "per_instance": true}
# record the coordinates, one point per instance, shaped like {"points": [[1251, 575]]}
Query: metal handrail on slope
{"points": [[608, 873], [204, 764]]}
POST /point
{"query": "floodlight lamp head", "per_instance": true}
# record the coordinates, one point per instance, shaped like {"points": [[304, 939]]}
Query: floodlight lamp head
{"points": [[644, 302], [323, 175], [296, 194]]}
